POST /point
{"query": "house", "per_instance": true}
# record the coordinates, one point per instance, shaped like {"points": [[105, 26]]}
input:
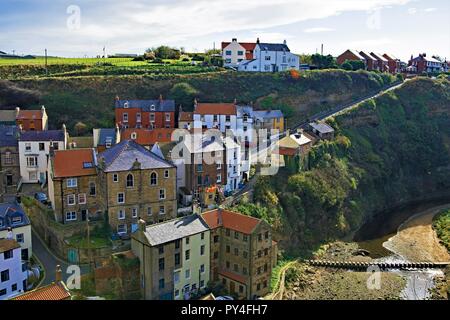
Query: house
{"points": [[246, 136], [135, 183], [32, 119], [56, 291], [34, 151], [242, 253], [382, 62], [8, 117], [203, 159], [293, 145], [233, 163], [148, 137], [9, 159], [323, 130], [221, 116], [14, 224], [424, 64], [235, 52], [371, 61], [105, 138], [147, 114], [13, 272], [351, 55], [174, 258], [185, 119], [73, 186], [270, 57], [394, 64], [269, 119]]}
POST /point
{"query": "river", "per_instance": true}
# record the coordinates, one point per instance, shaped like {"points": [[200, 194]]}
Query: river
{"points": [[414, 240]]}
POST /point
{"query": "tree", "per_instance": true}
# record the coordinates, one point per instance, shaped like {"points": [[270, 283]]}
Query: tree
{"points": [[166, 52], [347, 66], [323, 62], [305, 58], [184, 94], [353, 65]]}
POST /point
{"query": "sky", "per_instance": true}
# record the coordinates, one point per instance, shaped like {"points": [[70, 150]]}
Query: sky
{"points": [[79, 28]]}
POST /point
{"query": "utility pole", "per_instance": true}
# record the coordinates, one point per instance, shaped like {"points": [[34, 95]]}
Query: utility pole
{"points": [[321, 50], [46, 69]]}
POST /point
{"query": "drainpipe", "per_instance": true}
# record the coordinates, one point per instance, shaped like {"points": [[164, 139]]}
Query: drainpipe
{"points": [[62, 201]]}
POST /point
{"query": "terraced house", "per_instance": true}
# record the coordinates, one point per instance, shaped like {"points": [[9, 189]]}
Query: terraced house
{"points": [[73, 186], [136, 183], [174, 258], [242, 252], [9, 159]]}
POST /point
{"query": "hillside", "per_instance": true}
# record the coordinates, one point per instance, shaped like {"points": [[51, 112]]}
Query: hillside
{"points": [[389, 151], [91, 99]]}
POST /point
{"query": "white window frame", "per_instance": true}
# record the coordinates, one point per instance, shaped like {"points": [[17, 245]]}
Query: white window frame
{"points": [[115, 177], [121, 215], [219, 178], [27, 146], [80, 197], [71, 196], [71, 216], [123, 196], [125, 228], [71, 182], [167, 115], [164, 194], [32, 164], [156, 174], [162, 212], [125, 117], [134, 212]]}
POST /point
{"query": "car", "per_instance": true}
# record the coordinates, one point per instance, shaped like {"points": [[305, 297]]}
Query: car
{"points": [[224, 298], [41, 197]]}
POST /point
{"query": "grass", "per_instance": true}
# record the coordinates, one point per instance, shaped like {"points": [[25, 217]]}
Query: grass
{"points": [[441, 224], [76, 61]]}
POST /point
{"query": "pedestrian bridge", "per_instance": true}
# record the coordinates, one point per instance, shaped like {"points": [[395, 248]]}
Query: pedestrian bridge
{"points": [[381, 265]]}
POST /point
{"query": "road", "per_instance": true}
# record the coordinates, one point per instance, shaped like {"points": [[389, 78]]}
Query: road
{"points": [[49, 261]]}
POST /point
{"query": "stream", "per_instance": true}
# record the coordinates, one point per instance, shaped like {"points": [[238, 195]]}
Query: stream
{"points": [[413, 240]]}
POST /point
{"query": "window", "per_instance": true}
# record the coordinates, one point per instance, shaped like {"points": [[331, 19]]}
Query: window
{"points": [[244, 271], [71, 216], [161, 264], [162, 210], [27, 146], [177, 259], [4, 275], [16, 220], [202, 235], [227, 118], [236, 235], [161, 283], [240, 53], [245, 254], [166, 174], [152, 117], [162, 194], [202, 284], [130, 181], [227, 249], [14, 287], [8, 158], [71, 182], [199, 168], [219, 178], [216, 239], [82, 198], [227, 232], [202, 268], [138, 117], [134, 212], [177, 292], [228, 52], [187, 274], [122, 228], [267, 58], [20, 238], [177, 244], [8, 254], [115, 177], [266, 235], [121, 214], [92, 189], [187, 240], [176, 279], [153, 179], [125, 117], [236, 251], [187, 254], [219, 166], [120, 197], [2, 292], [41, 146], [202, 249], [71, 199], [215, 118], [167, 116], [245, 238], [32, 162]]}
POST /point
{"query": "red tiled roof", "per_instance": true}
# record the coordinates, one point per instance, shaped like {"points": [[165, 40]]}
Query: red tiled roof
{"points": [[147, 137], [8, 244], [287, 151], [73, 163], [227, 109], [233, 276], [29, 114], [54, 291], [248, 46], [186, 116], [230, 220]]}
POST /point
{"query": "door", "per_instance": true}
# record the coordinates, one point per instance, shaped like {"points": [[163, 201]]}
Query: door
{"points": [[72, 256], [83, 215], [42, 177], [232, 287], [9, 180]]}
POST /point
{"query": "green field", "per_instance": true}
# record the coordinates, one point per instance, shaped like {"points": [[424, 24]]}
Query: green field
{"points": [[121, 62]]}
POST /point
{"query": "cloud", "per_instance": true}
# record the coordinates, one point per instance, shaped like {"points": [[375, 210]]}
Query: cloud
{"points": [[317, 29], [430, 9], [412, 10]]}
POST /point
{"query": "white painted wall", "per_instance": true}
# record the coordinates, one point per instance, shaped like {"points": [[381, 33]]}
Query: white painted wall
{"points": [[26, 232], [231, 56], [16, 275], [265, 61]]}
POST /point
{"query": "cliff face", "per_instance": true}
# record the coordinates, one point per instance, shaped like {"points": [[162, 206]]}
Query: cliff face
{"points": [[389, 151]]}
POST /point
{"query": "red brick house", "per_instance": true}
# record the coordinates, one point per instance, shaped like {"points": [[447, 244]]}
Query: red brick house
{"points": [[371, 62], [149, 114], [382, 62], [394, 64], [422, 64], [351, 55], [32, 119], [147, 137]]}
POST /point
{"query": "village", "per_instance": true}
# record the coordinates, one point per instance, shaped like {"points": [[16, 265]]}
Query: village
{"points": [[149, 202]]}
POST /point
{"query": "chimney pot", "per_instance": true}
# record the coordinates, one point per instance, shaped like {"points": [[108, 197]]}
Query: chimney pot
{"points": [[58, 275]]}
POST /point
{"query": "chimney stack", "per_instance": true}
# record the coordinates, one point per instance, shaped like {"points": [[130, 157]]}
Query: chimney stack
{"points": [[234, 40], [17, 111], [43, 110], [257, 40], [58, 275], [160, 97], [142, 225]]}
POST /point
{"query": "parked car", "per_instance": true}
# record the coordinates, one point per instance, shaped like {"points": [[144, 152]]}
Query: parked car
{"points": [[41, 197], [224, 298]]}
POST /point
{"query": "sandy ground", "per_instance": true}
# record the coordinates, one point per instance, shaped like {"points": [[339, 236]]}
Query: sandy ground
{"points": [[417, 241]]}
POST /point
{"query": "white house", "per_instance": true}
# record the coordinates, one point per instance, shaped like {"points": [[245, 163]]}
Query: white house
{"points": [[235, 52], [246, 135], [233, 163], [270, 57], [12, 217], [34, 150], [13, 272]]}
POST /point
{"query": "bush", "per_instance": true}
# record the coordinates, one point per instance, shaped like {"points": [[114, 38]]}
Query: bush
{"points": [[165, 52], [140, 58], [184, 94]]}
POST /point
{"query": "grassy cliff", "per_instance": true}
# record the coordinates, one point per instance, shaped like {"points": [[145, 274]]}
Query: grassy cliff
{"points": [[91, 99], [388, 151]]}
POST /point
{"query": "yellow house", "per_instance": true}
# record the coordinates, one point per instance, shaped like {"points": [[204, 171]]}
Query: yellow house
{"points": [[269, 119]]}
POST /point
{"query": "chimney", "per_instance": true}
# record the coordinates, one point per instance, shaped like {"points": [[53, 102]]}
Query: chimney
{"points": [[284, 42], [58, 274], [9, 234], [288, 132], [219, 216], [142, 225], [117, 98], [195, 103], [235, 101], [257, 40], [17, 111], [234, 40], [42, 110], [160, 98]]}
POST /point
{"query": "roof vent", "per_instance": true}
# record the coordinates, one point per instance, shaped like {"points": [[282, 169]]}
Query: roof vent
{"points": [[125, 105]]}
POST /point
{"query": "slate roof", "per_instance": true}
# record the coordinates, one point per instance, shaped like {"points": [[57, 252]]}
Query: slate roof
{"points": [[321, 127], [10, 210], [8, 116], [172, 230], [122, 156], [9, 136], [104, 134], [144, 105], [197, 143], [46, 135], [267, 114], [274, 47], [241, 110]]}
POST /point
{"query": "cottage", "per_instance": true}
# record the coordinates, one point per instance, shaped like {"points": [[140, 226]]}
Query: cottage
{"points": [[351, 55], [269, 119], [14, 224], [13, 272], [382, 62], [9, 159], [424, 64], [394, 64], [105, 138], [32, 119], [235, 52], [323, 130]]}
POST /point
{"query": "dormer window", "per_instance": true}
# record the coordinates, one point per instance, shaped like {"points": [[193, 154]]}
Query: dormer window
{"points": [[16, 220], [152, 107], [125, 105], [133, 135]]}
